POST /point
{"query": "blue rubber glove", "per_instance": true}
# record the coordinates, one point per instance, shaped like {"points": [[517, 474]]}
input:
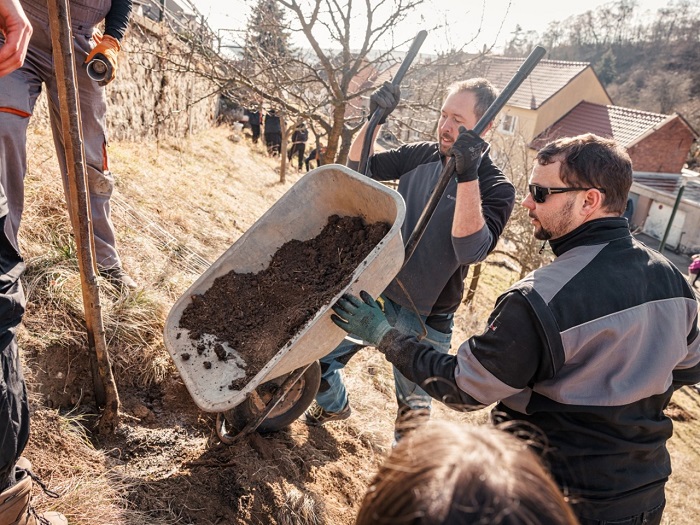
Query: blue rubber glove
{"points": [[386, 97], [363, 318], [468, 150]]}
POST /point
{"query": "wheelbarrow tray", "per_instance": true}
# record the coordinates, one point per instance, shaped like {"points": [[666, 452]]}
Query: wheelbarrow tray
{"points": [[301, 213]]}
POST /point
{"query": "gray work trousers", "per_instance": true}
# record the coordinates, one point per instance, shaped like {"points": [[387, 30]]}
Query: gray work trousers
{"points": [[18, 94]]}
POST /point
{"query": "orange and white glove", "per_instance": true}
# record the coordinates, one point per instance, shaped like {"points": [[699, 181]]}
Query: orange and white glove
{"points": [[106, 51]]}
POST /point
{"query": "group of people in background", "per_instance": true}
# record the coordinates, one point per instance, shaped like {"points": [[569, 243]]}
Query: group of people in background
{"points": [[271, 127]]}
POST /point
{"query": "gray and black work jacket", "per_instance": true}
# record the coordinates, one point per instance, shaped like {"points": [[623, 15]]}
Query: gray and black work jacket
{"points": [[434, 276], [587, 349], [85, 15]]}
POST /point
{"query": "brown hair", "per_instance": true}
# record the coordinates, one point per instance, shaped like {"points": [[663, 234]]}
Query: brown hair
{"points": [[454, 473], [592, 161], [484, 91]]}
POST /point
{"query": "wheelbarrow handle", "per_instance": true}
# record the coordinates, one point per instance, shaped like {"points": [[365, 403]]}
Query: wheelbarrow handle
{"points": [[448, 171], [379, 112]]}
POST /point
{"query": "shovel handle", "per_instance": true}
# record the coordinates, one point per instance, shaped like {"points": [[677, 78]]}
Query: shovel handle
{"points": [[379, 112], [520, 75]]}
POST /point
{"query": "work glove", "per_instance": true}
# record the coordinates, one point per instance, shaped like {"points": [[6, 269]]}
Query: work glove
{"points": [[363, 318], [386, 97], [106, 50], [468, 150]]}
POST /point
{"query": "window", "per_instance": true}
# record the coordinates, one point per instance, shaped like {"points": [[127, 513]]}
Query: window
{"points": [[508, 124]]}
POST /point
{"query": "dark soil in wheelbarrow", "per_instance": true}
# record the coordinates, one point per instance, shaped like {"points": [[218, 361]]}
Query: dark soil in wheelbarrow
{"points": [[256, 314]]}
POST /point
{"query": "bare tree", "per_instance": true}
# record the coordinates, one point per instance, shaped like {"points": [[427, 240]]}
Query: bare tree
{"points": [[515, 158]]}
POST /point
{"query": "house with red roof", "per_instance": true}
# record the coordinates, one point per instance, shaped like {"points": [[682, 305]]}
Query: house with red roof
{"points": [[565, 99]]}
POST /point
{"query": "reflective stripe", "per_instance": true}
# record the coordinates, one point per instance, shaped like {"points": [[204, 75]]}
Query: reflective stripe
{"points": [[17, 112]]}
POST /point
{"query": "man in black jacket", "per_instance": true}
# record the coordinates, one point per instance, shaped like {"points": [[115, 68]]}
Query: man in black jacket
{"points": [[464, 228], [588, 349]]}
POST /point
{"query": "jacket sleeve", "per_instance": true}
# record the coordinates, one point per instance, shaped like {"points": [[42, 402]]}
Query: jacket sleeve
{"points": [[117, 19], [508, 356], [688, 371], [497, 201]]}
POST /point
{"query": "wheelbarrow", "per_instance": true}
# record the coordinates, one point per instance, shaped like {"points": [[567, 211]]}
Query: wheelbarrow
{"points": [[282, 390]]}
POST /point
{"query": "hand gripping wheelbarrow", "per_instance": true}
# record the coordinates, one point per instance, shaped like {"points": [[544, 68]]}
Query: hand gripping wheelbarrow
{"points": [[287, 384]]}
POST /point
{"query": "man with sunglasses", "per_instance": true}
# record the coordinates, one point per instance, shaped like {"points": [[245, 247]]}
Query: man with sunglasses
{"points": [[586, 350], [464, 228]]}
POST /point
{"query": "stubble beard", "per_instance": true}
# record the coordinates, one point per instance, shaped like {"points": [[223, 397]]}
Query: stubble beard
{"points": [[560, 228]]}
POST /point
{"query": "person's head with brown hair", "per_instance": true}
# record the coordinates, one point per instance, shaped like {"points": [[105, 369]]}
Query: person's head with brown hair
{"points": [[454, 473], [576, 180]]}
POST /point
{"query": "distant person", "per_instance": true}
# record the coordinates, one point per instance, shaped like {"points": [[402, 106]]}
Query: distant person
{"points": [[629, 210], [254, 120], [15, 471], [465, 227], [446, 473], [316, 155], [299, 138], [588, 349], [19, 92], [694, 268], [273, 133]]}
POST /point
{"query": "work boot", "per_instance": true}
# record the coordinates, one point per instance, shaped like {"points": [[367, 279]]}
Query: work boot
{"points": [[317, 415], [15, 507], [117, 277]]}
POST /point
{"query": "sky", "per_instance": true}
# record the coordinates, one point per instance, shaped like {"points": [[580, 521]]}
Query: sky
{"points": [[486, 22]]}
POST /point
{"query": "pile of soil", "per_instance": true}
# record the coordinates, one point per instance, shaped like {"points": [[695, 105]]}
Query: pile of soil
{"points": [[257, 314]]}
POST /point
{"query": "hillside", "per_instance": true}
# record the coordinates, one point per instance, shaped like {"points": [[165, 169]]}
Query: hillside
{"points": [[178, 205]]}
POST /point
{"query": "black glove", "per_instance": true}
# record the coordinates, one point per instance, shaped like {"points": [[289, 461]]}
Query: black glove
{"points": [[468, 150], [386, 97]]}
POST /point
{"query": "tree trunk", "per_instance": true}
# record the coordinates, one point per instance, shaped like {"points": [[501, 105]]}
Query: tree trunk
{"points": [[283, 147]]}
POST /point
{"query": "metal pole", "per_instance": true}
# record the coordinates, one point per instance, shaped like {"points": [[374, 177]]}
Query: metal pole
{"points": [[379, 112], [106, 393], [673, 215]]}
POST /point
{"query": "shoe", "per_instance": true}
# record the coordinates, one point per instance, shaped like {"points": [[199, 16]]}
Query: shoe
{"points": [[118, 278], [317, 416], [15, 502]]}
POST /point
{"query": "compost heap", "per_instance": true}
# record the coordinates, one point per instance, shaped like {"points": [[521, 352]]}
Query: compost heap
{"points": [[257, 314]]}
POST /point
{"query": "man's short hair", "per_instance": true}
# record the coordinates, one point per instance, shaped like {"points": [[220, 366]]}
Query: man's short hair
{"points": [[483, 90], [592, 161]]}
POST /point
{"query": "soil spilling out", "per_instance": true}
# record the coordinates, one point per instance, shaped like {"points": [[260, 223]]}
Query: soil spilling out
{"points": [[257, 314]]}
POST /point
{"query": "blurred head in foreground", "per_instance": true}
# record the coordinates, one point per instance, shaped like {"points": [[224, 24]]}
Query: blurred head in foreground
{"points": [[455, 473]]}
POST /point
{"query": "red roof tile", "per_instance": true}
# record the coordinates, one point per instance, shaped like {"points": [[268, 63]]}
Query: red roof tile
{"points": [[548, 77], [625, 125]]}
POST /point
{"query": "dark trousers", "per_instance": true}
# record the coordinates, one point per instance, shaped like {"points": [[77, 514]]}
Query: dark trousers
{"points": [[649, 517], [255, 128], [14, 408], [297, 149], [273, 141]]}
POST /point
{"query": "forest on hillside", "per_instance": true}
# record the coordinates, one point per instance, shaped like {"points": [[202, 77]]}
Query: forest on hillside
{"points": [[645, 62]]}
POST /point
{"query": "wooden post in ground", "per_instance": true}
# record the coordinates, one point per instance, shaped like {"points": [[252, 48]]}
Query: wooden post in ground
{"points": [[106, 393]]}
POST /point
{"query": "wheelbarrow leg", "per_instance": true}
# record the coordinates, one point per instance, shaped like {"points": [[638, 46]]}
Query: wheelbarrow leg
{"points": [[253, 424]]}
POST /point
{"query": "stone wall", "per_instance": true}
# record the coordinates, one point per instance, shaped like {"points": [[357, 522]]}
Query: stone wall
{"points": [[151, 97]]}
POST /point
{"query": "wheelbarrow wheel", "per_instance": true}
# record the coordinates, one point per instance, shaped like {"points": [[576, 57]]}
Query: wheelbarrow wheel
{"points": [[292, 405]]}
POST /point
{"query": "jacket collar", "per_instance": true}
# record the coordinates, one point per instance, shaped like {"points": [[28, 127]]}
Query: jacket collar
{"points": [[597, 231]]}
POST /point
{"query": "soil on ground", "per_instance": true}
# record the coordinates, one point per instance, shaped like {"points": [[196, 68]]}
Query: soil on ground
{"points": [[257, 313]]}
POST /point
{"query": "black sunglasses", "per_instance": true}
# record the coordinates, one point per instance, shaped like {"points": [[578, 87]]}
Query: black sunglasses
{"points": [[539, 193]]}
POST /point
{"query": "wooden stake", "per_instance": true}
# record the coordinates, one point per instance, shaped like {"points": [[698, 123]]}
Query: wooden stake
{"points": [[106, 393]]}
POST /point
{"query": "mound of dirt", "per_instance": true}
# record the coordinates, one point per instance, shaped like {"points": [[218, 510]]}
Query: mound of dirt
{"points": [[256, 314]]}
